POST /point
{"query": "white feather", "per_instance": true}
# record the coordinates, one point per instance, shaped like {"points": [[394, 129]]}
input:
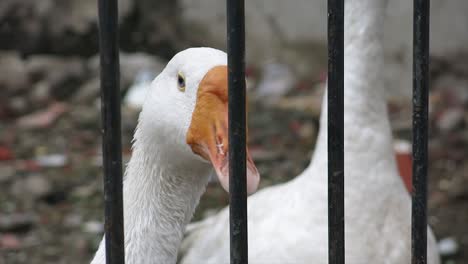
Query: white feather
{"points": [[164, 179]]}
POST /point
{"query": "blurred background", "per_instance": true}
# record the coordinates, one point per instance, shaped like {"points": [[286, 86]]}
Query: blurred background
{"points": [[51, 208]]}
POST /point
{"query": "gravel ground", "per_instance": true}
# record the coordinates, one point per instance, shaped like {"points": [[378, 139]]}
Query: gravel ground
{"points": [[51, 186], [51, 202]]}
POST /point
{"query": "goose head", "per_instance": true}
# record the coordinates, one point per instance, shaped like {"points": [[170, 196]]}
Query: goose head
{"points": [[186, 111]]}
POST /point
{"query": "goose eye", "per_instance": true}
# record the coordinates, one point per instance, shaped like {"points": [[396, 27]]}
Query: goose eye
{"points": [[181, 82]]}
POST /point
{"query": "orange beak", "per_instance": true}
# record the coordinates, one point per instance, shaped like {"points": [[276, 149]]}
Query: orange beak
{"points": [[208, 131]]}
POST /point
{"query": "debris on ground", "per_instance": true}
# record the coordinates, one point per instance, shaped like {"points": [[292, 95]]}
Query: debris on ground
{"points": [[50, 143], [42, 118], [448, 247], [276, 80]]}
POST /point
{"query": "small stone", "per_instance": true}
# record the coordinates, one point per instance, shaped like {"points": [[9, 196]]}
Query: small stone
{"points": [[40, 94], [277, 79], [9, 241], [18, 105], [88, 91], [260, 154], [16, 222], [85, 191], [73, 220], [44, 118], [305, 103], [14, 77], [6, 172], [448, 246], [58, 77], [450, 119], [97, 160], [93, 227], [35, 186], [86, 116], [307, 131], [52, 160], [444, 184]]}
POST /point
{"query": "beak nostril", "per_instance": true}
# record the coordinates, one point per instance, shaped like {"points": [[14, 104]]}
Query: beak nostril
{"points": [[220, 148]]}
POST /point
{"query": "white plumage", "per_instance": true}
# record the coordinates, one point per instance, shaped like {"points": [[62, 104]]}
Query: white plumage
{"points": [[164, 178]]}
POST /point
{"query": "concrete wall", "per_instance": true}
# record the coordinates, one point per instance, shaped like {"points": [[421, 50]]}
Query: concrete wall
{"points": [[294, 31]]}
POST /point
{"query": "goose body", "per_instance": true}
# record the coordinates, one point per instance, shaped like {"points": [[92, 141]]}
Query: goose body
{"points": [[288, 223], [182, 128]]}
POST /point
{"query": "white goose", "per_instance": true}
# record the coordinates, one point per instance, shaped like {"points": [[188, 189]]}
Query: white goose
{"points": [[288, 222], [183, 124]]}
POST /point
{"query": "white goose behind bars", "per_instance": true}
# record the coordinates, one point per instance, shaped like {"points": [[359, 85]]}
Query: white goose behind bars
{"points": [[288, 223], [181, 130]]}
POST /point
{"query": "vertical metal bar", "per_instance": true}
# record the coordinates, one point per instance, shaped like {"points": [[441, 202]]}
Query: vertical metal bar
{"points": [[111, 131], [420, 130], [336, 247], [237, 134]]}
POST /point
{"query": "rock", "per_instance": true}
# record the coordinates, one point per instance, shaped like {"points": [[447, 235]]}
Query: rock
{"points": [[9, 242], [73, 220], [86, 116], [277, 79], [93, 227], [307, 131], [86, 191], [450, 119], [18, 105], [7, 172], [13, 77], [260, 154], [53, 67], [58, 77], [40, 94], [16, 222], [34, 186], [302, 103], [88, 91], [42, 119], [448, 247], [27, 165], [52, 160], [451, 88]]}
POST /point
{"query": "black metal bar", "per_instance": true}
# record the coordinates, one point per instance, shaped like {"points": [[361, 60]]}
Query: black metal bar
{"points": [[237, 134], [336, 245], [111, 131], [420, 130]]}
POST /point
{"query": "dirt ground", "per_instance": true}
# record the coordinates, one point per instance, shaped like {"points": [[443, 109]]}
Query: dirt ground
{"points": [[51, 201], [52, 213]]}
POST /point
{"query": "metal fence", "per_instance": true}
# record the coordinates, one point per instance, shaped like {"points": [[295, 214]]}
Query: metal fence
{"points": [[110, 95]]}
